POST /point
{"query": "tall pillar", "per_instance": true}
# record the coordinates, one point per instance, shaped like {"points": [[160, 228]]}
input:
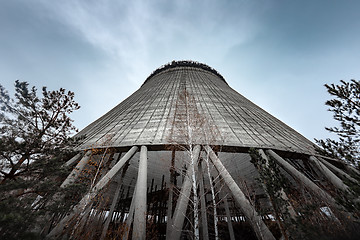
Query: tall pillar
{"points": [[130, 217], [183, 200], [77, 170], [171, 194], [337, 182], [204, 223], [90, 195], [282, 192], [352, 169], [111, 211], [306, 181], [72, 160], [139, 225], [340, 172], [228, 216], [114, 170], [259, 227]]}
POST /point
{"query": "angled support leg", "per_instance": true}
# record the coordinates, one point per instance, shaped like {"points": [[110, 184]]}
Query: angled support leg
{"points": [[113, 171], [352, 169], [130, 217], [227, 212], [111, 211], [182, 202], [307, 182], [77, 170], [72, 160], [70, 179], [259, 227], [282, 193], [340, 172], [89, 196], [229, 222], [337, 182]]}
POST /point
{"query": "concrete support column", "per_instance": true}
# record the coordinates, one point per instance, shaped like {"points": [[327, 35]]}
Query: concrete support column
{"points": [[307, 182], [139, 225], [340, 172], [114, 170], [228, 216], [261, 230], [77, 170], [130, 217], [337, 182], [111, 211], [83, 219], [352, 169], [89, 196], [171, 195], [282, 192], [72, 160], [183, 200], [169, 211], [204, 223]]}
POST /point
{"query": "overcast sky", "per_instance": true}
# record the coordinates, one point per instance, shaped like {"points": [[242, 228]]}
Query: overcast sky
{"points": [[277, 53]]}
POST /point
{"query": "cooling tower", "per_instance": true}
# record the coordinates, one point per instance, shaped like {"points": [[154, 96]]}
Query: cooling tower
{"points": [[188, 157]]}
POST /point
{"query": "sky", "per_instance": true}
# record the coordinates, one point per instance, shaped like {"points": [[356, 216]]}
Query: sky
{"points": [[277, 53]]}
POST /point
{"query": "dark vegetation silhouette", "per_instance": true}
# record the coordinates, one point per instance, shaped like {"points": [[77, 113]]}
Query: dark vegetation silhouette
{"points": [[345, 106], [34, 144]]}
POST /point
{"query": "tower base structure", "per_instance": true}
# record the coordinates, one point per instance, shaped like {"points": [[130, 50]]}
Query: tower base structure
{"points": [[187, 157]]}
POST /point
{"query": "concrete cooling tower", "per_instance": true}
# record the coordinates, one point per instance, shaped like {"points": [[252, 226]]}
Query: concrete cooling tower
{"points": [[188, 157]]}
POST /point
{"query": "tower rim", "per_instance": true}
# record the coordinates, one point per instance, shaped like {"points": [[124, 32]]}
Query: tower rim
{"points": [[184, 63]]}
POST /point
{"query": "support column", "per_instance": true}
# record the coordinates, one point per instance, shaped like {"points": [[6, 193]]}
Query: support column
{"points": [[111, 211], [204, 223], [77, 170], [130, 216], [171, 195], [337, 170], [307, 182], [348, 167], [282, 193], [105, 180], [352, 169], [259, 227], [72, 160], [229, 222], [337, 182], [139, 226], [89, 196], [183, 200], [83, 219]]}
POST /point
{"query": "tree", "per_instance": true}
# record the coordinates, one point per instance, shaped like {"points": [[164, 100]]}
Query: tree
{"points": [[345, 107], [34, 143]]}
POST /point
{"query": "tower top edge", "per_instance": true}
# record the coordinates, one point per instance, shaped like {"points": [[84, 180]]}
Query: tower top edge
{"points": [[184, 63]]}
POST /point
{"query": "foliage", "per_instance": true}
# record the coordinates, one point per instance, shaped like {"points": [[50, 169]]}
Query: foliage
{"points": [[274, 183], [34, 143], [345, 107], [313, 218], [184, 63]]}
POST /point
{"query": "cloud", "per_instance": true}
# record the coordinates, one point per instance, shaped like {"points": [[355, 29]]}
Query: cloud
{"points": [[136, 37], [134, 33], [104, 49]]}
